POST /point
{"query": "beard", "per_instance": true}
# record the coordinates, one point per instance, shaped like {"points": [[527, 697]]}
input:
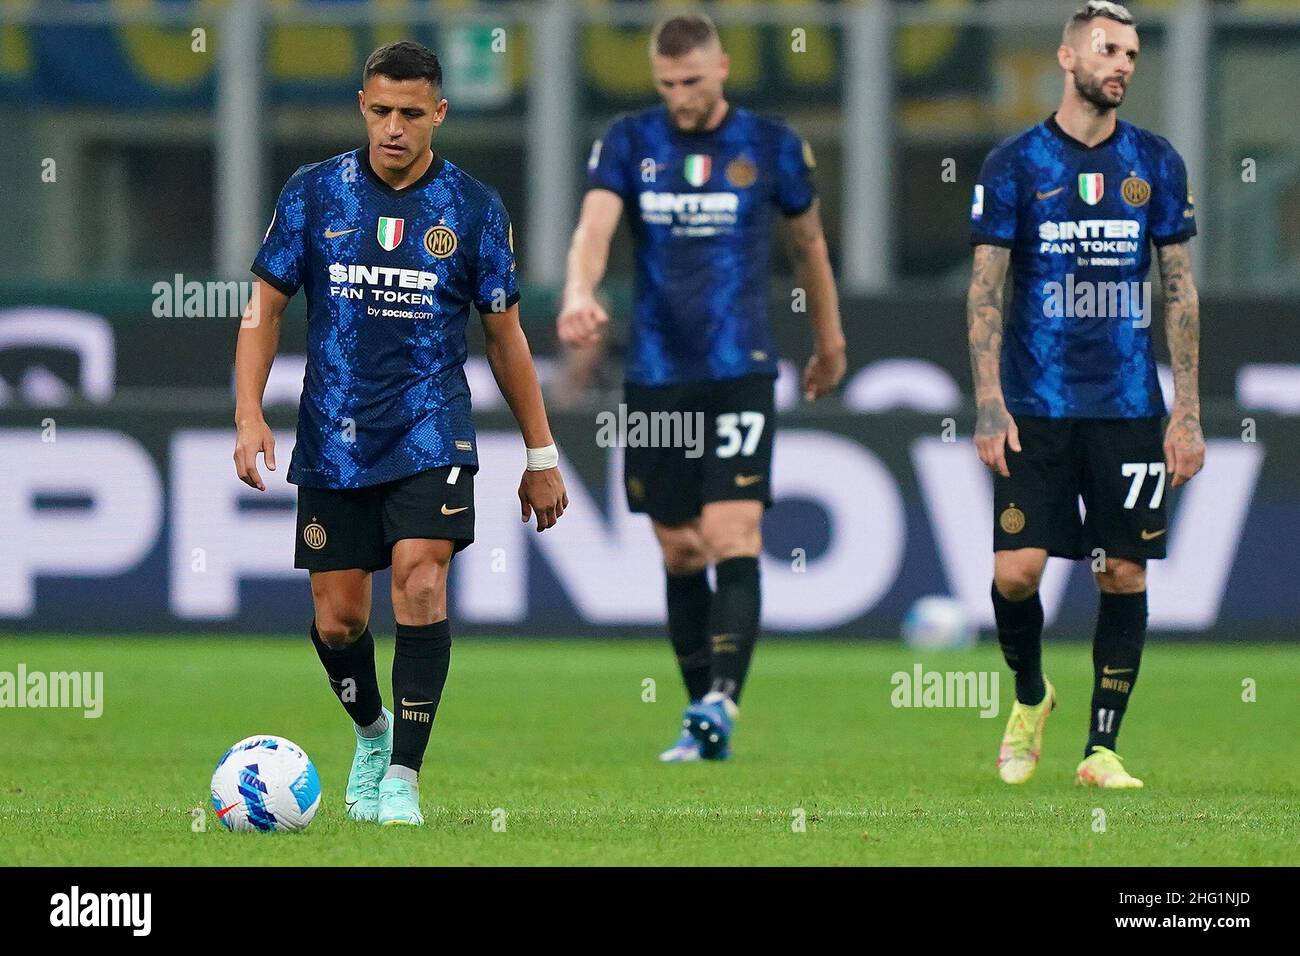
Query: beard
{"points": [[694, 121], [1094, 92]]}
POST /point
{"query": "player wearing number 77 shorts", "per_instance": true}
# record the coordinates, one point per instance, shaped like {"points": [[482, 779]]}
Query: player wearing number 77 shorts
{"points": [[1069, 404], [703, 182]]}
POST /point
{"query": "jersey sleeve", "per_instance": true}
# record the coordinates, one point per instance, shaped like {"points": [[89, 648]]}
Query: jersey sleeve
{"points": [[496, 286], [282, 260], [609, 163], [993, 207], [795, 190], [1173, 213]]}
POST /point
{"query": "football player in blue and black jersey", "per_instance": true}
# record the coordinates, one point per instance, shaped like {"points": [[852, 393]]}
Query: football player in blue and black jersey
{"points": [[392, 245], [1069, 403], [703, 183]]}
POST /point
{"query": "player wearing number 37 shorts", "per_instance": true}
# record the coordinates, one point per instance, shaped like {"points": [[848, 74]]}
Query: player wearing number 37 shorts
{"points": [[730, 424], [703, 183]]}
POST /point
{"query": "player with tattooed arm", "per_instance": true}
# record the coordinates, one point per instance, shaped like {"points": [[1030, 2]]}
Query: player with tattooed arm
{"points": [[1069, 403]]}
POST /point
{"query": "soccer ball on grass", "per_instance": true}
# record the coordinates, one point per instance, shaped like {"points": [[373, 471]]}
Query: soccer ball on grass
{"points": [[265, 783]]}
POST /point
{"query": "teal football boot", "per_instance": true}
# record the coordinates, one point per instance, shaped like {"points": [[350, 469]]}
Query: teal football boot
{"points": [[399, 803], [369, 764]]}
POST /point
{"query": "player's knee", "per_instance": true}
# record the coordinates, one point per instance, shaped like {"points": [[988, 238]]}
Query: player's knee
{"points": [[683, 553], [1122, 577], [1017, 581], [340, 629], [685, 560], [424, 586], [738, 539]]}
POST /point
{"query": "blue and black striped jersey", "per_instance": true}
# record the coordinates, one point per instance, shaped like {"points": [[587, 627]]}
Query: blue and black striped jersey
{"points": [[701, 208], [389, 276], [1079, 222]]}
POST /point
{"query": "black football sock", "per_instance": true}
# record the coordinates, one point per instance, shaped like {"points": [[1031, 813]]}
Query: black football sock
{"points": [[1020, 634], [352, 677], [733, 624], [1116, 656], [420, 661], [689, 601]]}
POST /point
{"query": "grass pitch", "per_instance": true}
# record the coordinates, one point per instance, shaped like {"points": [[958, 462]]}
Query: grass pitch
{"points": [[557, 736]]}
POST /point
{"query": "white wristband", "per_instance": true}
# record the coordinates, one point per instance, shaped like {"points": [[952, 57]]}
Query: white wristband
{"points": [[540, 459]]}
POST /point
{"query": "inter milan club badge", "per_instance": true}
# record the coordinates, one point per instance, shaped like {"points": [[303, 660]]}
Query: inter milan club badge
{"points": [[440, 241], [741, 172], [698, 168], [389, 233], [314, 536], [1135, 190], [1012, 520]]}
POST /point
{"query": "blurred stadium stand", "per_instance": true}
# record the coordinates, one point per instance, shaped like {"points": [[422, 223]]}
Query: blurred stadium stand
{"points": [[169, 159]]}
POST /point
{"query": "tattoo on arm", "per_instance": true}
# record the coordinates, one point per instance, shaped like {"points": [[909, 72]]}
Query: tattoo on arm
{"points": [[1183, 330], [984, 334], [1182, 323]]}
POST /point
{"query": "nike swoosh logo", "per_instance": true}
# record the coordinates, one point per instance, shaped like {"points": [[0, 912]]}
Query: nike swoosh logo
{"points": [[221, 813], [1152, 535], [1049, 195], [453, 511], [744, 481], [415, 703], [1116, 670], [335, 233]]}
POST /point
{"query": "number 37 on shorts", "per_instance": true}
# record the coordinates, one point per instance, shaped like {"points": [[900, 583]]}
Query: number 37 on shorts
{"points": [[730, 461]]}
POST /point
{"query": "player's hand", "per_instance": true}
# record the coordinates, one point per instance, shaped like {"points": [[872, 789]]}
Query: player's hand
{"points": [[250, 438], [995, 431], [542, 493], [582, 321], [823, 372], [1184, 446]]}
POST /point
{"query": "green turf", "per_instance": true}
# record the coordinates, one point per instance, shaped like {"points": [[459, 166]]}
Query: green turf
{"points": [[557, 735]]}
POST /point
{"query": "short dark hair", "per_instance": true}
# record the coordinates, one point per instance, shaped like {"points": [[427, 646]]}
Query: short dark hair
{"points": [[680, 34], [404, 60], [1093, 9]]}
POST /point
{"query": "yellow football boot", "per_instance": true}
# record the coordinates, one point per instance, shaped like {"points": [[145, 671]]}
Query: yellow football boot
{"points": [[1103, 768], [1022, 741]]}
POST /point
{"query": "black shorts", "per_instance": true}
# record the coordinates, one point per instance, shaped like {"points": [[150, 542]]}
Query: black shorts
{"points": [[340, 529], [1117, 466], [727, 427]]}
